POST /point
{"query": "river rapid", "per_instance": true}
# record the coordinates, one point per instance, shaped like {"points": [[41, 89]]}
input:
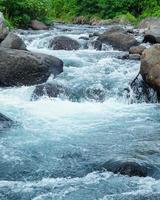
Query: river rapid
{"points": [[55, 151]]}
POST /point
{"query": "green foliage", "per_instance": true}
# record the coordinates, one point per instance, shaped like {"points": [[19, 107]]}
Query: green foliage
{"points": [[20, 12]]}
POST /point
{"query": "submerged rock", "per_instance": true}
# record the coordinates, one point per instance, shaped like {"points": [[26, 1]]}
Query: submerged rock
{"points": [[96, 93], [150, 66], [13, 41], [20, 67], [48, 89], [118, 38], [37, 25], [126, 168], [5, 122], [64, 43], [4, 30]]}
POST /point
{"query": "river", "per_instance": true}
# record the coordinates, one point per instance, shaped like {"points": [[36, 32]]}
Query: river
{"points": [[59, 143]]}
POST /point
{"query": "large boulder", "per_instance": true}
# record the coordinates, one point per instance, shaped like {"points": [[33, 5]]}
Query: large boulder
{"points": [[19, 67], [3, 28], [13, 41], [52, 90], [118, 38], [37, 25], [5, 122], [150, 66], [149, 22], [152, 35], [64, 43]]}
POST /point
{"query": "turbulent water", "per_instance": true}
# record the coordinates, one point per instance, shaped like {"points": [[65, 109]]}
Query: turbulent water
{"points": [[54, 151]]}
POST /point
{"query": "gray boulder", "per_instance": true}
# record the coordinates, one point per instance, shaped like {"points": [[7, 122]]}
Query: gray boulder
{"points": [[13, 41], [118, 38], [64, 43], [3, 28], [19, 67], [37, 25]]}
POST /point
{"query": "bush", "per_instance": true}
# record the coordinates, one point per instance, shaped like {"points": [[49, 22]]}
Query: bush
{"points": [[21, 12]]}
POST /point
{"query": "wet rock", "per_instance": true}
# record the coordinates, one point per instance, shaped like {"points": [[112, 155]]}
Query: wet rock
{"points": [[64, 43], [96, 34], [137, 50], [126, 168], [3, 28], [96, 44], [148, 22], [19, 67], [37, 25], [83, 38], [49, 89], [141, 92], [134, 57], [152, 35], [124, 57], [150, 66], [118, 38], [5, 122], [13, 41], [96, 93]]}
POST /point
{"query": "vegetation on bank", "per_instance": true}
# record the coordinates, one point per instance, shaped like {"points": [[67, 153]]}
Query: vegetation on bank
{"points": [[21, 12]]}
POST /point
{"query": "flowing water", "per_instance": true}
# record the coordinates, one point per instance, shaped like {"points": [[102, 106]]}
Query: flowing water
{"points": [[56, 148]]}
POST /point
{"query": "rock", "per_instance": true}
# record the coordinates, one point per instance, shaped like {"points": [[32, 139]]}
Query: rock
{"points": [[13, 41], [148, 22], [142, 92], [126, 168], [134, 57], [150, 66], [118, 38], [123, 57], [48, 89], [5, 122], [152, 35], [96, 34], [96, 93], [137, 50], [19, 67], [97, 45], [64, 43], [83, 38], [4, 30], [37, 25]]}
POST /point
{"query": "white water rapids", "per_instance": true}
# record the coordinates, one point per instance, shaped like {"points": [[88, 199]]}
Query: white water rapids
{"points": [[53, 152]]}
